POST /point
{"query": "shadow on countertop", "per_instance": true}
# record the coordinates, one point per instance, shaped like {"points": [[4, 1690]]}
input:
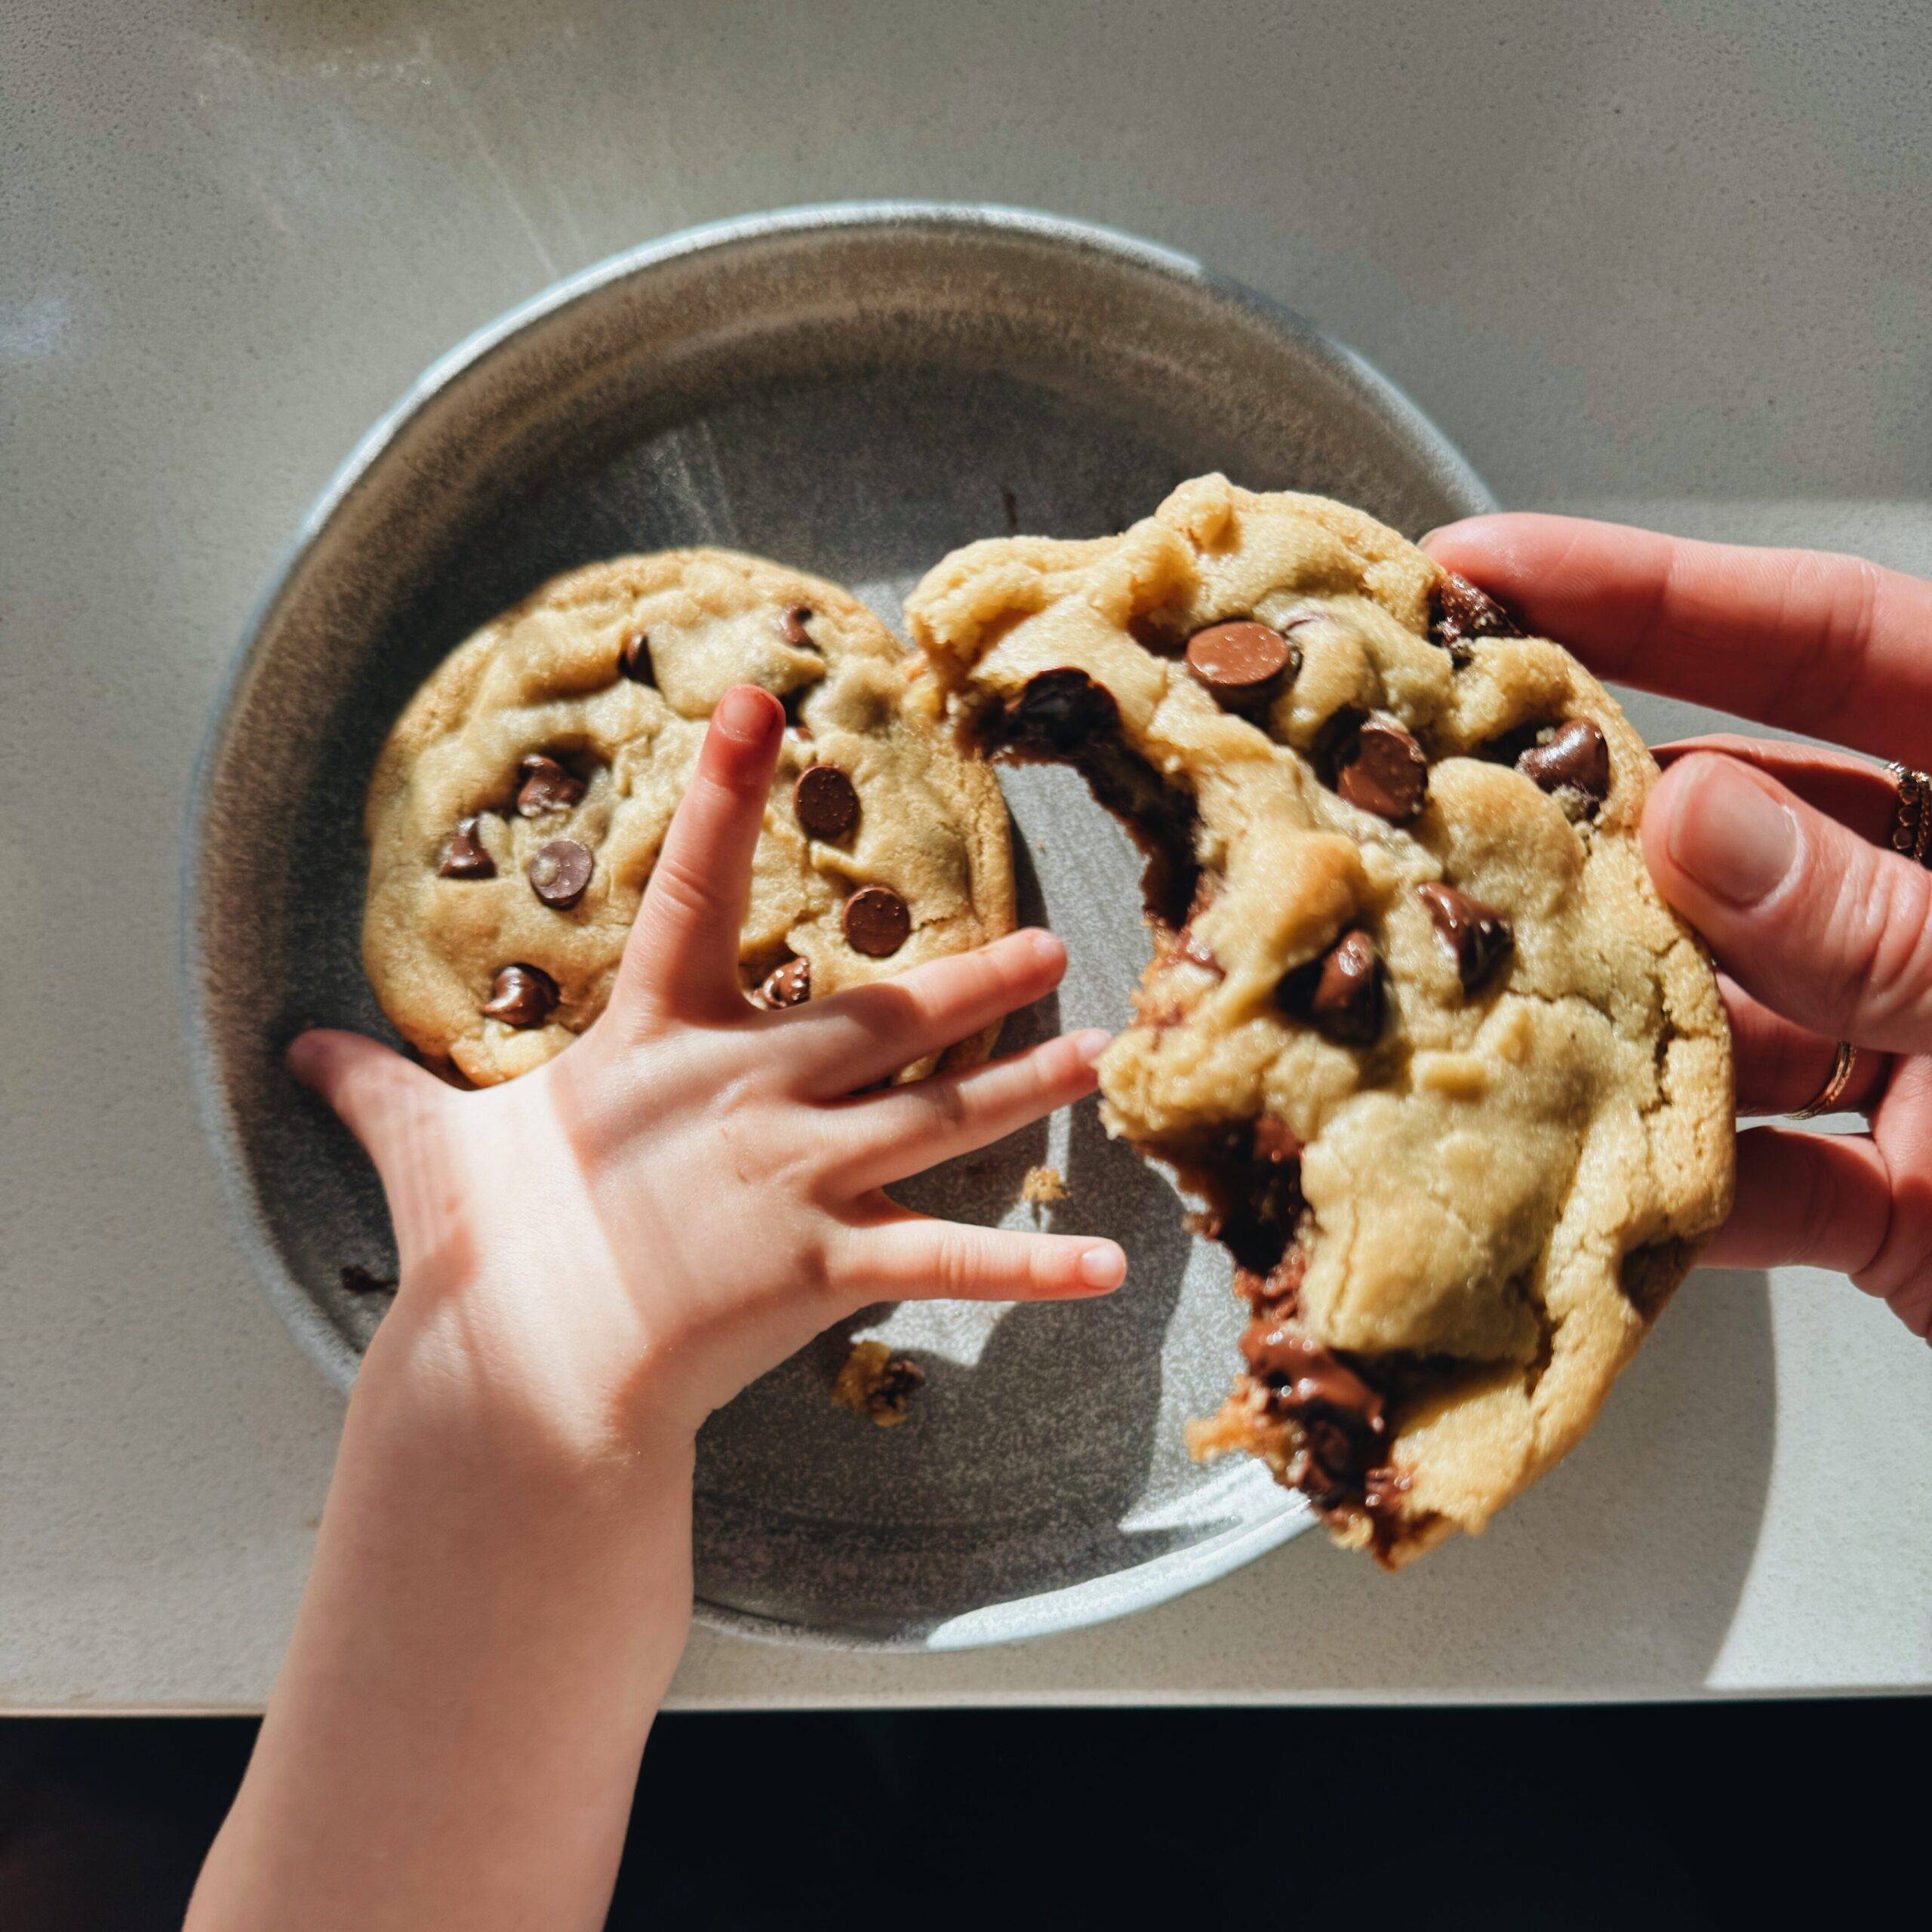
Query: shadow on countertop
{"points": [[1619, 1575], [1626, 1561]]}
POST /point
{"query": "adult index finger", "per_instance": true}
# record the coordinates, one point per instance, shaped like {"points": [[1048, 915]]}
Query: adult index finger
{"points": [[1830, 645]]}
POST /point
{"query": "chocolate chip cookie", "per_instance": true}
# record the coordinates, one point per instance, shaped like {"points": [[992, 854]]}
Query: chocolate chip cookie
{"points": [[1454, 1084], [520, 802]]}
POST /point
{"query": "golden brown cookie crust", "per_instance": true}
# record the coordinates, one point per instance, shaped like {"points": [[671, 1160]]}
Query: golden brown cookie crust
{"points": [[546, 679], [1474, 1196]]}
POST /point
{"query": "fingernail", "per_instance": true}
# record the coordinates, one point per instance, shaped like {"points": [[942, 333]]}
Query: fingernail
{"points": [[746, 714], [1735, 838], [1042, 944], [1103, 1267], [1090, 1043]]}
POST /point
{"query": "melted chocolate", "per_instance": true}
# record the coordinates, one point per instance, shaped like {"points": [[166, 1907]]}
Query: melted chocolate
{"points": [[1064, 716]]}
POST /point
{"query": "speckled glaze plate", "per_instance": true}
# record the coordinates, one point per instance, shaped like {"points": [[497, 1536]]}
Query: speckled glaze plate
{"points": [[854, 391]]}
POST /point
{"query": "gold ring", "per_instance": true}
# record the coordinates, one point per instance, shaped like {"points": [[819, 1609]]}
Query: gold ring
{"points": [[1836, 1081], [1911, 821]]}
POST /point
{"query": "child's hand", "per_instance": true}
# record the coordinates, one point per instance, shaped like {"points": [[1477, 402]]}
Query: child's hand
{"points": [[594, 1256], [617, 1242]]}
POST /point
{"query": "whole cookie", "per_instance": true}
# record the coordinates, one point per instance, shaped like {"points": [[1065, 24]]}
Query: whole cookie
{"points": [[1454, 1084], [520, 802]]}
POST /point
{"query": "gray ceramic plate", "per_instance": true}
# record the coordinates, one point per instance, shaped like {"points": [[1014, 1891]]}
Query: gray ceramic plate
{"points": [[854, 390]]}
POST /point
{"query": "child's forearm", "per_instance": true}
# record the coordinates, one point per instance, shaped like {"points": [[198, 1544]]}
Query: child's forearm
{"points": [[485, 1637], [596, 1254]]}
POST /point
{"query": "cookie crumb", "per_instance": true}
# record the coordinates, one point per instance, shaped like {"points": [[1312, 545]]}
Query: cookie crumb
{"points": [[1043, 1186], [360, 1281], [876, 1382]]}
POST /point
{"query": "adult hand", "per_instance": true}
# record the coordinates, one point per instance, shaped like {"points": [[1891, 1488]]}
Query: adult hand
{"points": [[1780, 855]]}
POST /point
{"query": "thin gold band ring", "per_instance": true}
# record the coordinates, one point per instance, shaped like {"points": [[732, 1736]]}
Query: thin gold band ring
{"points": [[1827, 1096], [1911, 838]]}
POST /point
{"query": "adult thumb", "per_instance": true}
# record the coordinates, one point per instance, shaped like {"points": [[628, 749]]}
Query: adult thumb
{"points": [[1821, 925]]}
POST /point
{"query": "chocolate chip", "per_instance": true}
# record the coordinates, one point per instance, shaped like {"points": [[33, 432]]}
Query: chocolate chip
{"points": [[1478, 935], [792, 627], [1278, 1293], [1309, 1381], [1330, 1472], [1346, 1004], [788, 985], [1063, 714], [1238, 662], [1276, 1353], [1059, 711], [1340, 994], [559, 871], [634, 659], [1343, 1421], [1275, 1141], [824, 802], [1574, 758], [464, 856], [876, 921], [522, 996], [546, 787], [1381, 769], [1458, 613]]}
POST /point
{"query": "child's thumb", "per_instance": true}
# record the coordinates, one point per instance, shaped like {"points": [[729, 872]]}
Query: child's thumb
{"points": [[377, 1093]]}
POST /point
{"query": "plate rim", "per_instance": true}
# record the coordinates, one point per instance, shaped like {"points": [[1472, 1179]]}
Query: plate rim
{"points": [[1094, 1600]]}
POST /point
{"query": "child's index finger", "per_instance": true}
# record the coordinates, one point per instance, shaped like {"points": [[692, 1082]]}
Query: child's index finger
{"points": [[1830, 645], [683, 951]]}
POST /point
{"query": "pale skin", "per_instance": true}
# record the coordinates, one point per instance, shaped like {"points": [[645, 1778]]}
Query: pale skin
{"points": [[596, 1256], [593, 1258]]}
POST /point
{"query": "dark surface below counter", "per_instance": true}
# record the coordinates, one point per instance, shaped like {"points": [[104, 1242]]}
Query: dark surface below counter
{"points": [[1499, 1820]]}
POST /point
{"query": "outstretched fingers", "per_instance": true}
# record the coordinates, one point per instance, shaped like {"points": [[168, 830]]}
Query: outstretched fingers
{"points": [[895, 1255], [866, 1034], [682, 955], [886, 1136]]}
